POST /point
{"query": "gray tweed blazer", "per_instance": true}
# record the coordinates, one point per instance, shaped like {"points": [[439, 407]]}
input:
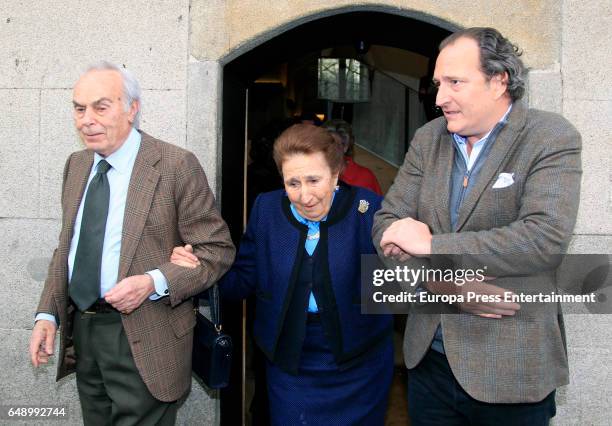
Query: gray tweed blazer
{"points": [[516, 231]]}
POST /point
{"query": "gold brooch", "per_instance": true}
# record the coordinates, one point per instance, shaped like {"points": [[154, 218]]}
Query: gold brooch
{"points": [[363, 206]]}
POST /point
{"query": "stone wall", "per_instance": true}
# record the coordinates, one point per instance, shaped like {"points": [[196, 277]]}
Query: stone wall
{"points": [[44, 46], [587, 103]]}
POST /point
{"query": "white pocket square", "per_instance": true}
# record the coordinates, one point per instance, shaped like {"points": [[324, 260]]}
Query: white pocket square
{"points": [[504, 180]]}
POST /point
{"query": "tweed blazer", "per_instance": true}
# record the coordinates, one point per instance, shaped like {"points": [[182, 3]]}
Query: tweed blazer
{"points": [[513, 359], [169, 203]]}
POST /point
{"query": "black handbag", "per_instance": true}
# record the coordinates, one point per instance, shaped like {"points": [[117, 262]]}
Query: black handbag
{"points": [[212, 349]]}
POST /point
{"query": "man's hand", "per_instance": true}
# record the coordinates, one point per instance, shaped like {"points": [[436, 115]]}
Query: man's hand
{"points": [[394, 252], [478, 306], [42, 342], [129, 293], [183, 256], [411, 236]]}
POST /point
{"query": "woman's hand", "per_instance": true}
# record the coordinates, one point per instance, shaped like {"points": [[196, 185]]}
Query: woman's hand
{"points": [[183, 256]]}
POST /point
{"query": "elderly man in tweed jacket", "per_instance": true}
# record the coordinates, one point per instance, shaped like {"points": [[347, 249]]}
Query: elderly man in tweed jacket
{"points": [[125, 312], [499, 182]]}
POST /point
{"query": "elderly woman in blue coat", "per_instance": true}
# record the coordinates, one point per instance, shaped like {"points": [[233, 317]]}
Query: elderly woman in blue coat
{"points": [[327, 363]]}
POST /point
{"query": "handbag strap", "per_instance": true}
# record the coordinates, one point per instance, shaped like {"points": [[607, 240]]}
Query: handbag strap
{"points": [[215, 306]]}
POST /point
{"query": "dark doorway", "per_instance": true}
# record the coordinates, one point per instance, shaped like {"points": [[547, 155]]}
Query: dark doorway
{"points": [[277, 80]]}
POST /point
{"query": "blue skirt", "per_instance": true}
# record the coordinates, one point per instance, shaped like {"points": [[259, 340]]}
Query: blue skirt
{"points": [[321, 394]]}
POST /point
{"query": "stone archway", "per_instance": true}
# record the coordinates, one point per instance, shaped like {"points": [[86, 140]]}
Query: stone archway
{"points": [[223, 30], [269, 34]]}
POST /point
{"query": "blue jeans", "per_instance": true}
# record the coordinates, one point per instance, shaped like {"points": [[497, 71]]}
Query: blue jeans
{"points": [[436, 398]]}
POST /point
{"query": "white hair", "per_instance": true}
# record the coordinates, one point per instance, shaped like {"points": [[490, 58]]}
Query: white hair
{"points": [[131, 87]]}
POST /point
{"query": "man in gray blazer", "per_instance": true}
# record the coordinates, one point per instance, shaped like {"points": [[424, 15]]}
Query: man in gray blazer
{"points": [[499, 182]]}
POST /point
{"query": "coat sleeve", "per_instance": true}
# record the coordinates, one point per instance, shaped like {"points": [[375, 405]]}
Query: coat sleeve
{"points": [[54, 279], [241, 280], [402, 199], [199, 224]]}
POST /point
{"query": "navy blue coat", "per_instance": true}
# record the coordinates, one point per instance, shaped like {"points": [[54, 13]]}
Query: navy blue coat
{"points": [[268, 260]]}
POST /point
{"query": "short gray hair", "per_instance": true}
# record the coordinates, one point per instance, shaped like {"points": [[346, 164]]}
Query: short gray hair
{"points": [[131, 87], [497, 55], [344, 130]]}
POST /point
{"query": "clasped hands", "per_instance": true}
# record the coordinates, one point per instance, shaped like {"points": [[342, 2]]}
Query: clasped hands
{"points": [[406, 238], [130, 292], [127, 295]]}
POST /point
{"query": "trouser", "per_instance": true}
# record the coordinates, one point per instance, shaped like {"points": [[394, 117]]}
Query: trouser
{"points": [[436, 398], [110, 388]]}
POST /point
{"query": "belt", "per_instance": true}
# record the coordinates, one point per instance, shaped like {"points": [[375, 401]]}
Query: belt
{"points": [[101, 306]]}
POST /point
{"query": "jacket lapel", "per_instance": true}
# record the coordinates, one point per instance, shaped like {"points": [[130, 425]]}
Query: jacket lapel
{"points": [[442, 171], [493, 163], [73, 192], [143, 182], [74, 188]]}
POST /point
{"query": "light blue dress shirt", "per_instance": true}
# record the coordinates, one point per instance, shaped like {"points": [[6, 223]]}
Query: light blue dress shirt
{"points": [[122, 162], [471, 158]]}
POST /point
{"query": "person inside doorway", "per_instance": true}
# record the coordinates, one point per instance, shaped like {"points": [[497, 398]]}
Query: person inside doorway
{"points": [[353, 173]]}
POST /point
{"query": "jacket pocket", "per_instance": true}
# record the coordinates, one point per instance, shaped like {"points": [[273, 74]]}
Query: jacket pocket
{"points": [[182, 319]]}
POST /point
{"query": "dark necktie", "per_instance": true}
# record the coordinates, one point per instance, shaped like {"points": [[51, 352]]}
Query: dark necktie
{"points": [[85, 281]]}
